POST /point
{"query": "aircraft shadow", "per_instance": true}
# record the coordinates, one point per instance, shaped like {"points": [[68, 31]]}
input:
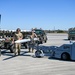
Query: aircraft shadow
{"points": [[7, 53]]}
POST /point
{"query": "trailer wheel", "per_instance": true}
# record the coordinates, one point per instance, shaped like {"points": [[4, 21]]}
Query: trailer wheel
{"points": [[65, 56], [12, 48]]}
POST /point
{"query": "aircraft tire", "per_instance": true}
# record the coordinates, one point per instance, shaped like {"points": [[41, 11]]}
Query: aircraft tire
{"points": [[39, 53]]}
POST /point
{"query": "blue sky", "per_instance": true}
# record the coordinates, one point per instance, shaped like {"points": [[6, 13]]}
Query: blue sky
{"points": [[45, 14]]}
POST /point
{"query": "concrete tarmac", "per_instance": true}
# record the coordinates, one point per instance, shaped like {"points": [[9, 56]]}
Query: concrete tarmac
{"points": [[27, 64]]}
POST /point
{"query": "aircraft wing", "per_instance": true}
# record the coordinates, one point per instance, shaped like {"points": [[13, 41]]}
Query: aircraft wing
{"points": [[25, 40]]}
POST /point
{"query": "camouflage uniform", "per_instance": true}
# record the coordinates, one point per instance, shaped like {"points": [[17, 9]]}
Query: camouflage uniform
{"points": [[18, 36], [32, 43]]}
